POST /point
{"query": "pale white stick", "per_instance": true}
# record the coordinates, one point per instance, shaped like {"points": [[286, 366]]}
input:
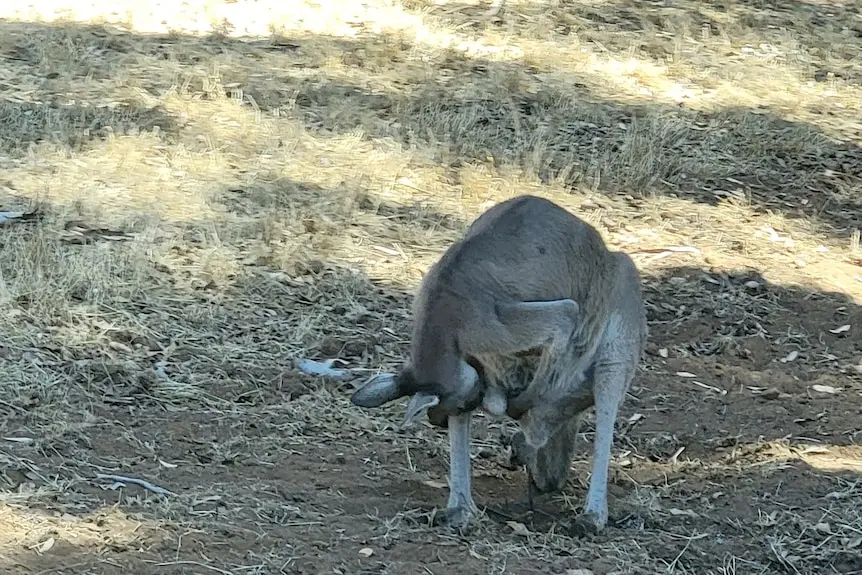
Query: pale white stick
{"points": [[134, 481]]}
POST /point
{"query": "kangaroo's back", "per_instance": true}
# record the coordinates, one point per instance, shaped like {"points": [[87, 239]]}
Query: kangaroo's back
{"points": [[526, 249], [523, 249]]}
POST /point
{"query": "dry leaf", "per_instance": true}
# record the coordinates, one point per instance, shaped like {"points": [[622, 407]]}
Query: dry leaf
{"points": [[823, 528], [842, 329], [578, 572], [686, 512], [323, 368], [685, 374], [168, 465], [434, 484], [45, 545], [790, 356], [663, 352], [518, 528], [366, 551], [824, 388], [635, 418], [117, 346]]}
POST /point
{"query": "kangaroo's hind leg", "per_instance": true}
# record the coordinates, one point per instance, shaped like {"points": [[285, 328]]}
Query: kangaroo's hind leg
{"points": [[610, 385]]}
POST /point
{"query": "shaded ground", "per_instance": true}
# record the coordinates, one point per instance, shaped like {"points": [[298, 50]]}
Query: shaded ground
{"points": [[214, 210], [745, 464]]}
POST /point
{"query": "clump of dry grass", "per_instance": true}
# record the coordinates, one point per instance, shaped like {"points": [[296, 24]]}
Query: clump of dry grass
{"points": [[250, 184]]}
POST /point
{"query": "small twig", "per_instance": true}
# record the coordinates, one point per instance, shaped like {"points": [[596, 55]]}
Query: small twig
{"points": [[709, 387], [674, 458], [672, 567], [781, 559], [672, 249], [410, 465], [660, 253], [134, 481], [500, 514]]}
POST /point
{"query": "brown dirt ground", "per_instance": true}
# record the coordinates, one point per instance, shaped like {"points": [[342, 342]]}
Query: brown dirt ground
{"points": [[278, 474], [151, 317]]}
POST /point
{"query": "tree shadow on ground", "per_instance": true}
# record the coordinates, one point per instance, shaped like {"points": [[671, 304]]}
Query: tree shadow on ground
{"points": [[467, 109], [742, 428], [71, 127], [654, 28], [716, 455], [752, 339], [95, 369], [700, 476]]}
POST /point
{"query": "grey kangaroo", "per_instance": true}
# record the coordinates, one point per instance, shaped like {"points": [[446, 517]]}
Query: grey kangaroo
{"points": [[530, 316]]}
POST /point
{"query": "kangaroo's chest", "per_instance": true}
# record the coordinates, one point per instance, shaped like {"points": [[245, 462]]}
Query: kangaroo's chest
{"points": [[509, 374]]}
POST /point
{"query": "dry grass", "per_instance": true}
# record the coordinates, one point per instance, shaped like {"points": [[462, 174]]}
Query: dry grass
{"points": [[227, 187]]}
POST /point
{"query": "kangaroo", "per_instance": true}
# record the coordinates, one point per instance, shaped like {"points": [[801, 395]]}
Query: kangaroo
{"points": [[528, 315]]}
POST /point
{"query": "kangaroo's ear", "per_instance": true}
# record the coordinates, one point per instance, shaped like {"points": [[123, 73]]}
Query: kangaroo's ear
{"points": [[420, 403]]}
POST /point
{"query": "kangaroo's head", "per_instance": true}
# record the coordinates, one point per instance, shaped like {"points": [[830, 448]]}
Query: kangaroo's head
{"points": [[439, 392]]}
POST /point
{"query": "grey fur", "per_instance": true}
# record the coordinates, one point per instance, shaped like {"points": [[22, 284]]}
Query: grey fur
{"points": [[554, 323]]}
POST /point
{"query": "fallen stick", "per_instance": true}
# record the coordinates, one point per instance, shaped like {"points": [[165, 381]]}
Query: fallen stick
{"points": [[134, 481], [661, 253]]}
